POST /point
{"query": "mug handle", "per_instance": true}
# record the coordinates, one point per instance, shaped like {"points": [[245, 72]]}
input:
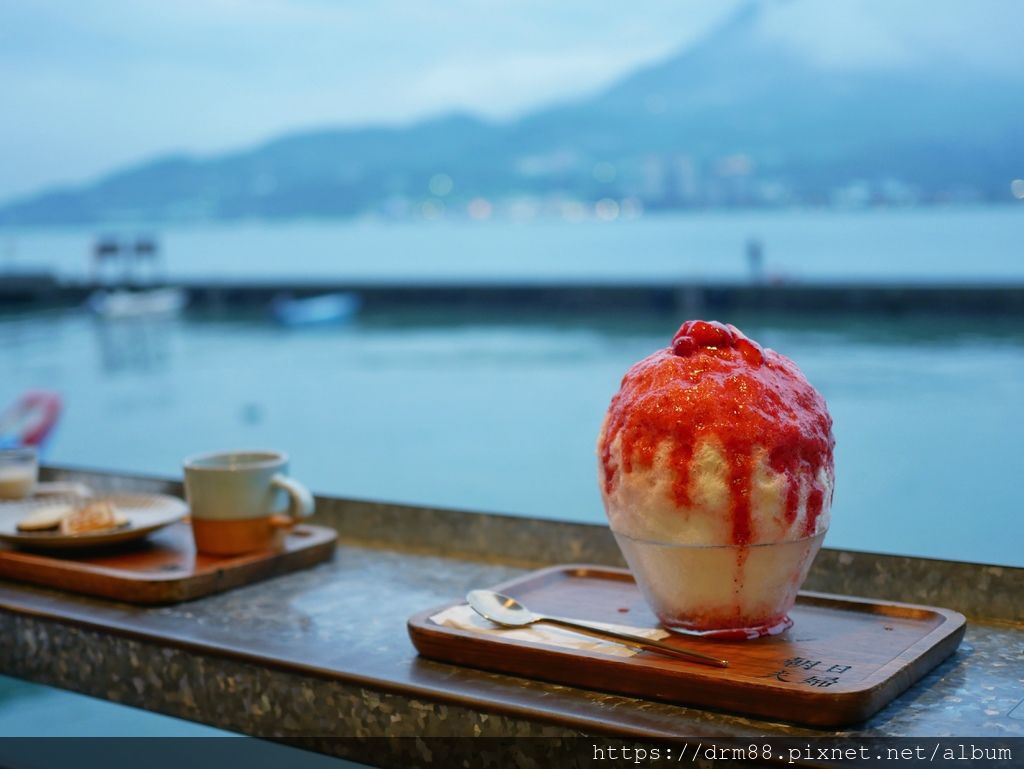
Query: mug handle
{"points": [[300, 501]]}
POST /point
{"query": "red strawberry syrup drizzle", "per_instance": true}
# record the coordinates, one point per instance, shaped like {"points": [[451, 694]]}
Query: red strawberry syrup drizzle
{"points": [[715, 384]]}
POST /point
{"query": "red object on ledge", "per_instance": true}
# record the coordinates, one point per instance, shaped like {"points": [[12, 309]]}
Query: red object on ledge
{"points": [[31, 419]]}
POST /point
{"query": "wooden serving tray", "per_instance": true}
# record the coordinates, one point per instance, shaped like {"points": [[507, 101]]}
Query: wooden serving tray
{"points": [[843, 660], [164, 568]]}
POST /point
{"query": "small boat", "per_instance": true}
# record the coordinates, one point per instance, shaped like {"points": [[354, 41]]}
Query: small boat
{"points": [[128, 297], [30, 420], [151, 302], [328, 309]]}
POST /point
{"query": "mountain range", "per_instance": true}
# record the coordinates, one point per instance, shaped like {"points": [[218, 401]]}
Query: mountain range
{"points": [[735, 119]]}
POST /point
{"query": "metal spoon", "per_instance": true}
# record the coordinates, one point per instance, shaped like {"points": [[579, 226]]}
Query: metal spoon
{"points": [[506, 611]]}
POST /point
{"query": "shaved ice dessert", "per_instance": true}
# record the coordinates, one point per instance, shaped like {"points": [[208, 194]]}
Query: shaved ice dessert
{"points": [[716, 472]]}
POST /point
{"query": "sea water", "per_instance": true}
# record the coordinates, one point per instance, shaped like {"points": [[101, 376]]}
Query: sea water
{"points": [[501, 413]]}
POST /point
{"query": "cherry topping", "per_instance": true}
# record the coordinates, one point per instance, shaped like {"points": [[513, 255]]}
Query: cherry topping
{"points": [[710, 334], [751, 351], [683, 345]]}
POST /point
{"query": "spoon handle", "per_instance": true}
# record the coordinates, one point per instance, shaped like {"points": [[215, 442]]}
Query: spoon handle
{"points": [[637, 642]]}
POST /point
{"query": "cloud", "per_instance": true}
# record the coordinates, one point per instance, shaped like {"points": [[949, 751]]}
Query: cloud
{"points": [[878, 34], [97, 85], [100, 84]]}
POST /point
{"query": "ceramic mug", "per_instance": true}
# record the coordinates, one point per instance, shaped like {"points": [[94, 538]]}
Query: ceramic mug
{"points": [[243, 501]]}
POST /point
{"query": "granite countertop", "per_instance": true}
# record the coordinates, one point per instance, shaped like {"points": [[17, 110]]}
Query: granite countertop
{"points": [[325, 651]]}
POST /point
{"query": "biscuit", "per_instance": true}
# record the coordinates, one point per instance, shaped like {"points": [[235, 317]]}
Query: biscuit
{"points": [[45, 518]]}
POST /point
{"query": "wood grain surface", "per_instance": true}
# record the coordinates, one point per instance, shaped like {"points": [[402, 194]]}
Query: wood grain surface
{"points": [[843, 660], [165, 567]]}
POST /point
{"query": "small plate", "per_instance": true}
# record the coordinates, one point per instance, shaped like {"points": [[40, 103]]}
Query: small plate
{"points": [[145, 512]]}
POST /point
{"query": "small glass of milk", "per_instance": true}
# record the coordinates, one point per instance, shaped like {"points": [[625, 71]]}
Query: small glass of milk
{"points": [[19, 469]]}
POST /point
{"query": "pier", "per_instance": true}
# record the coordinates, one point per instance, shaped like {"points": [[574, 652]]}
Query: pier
{"points": [[26, 291]]}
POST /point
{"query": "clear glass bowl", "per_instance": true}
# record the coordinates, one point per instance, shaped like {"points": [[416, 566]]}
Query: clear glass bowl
{"points": [[724, 591]]}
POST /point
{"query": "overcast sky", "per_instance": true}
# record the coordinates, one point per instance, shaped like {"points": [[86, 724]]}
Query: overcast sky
{"points": [[90, 85]]}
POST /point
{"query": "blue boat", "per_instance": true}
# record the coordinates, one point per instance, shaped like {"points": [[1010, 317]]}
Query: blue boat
{"points": [[328, 309]]}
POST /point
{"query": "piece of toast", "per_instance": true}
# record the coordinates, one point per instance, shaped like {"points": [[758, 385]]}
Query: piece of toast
{"points": [[98, 516]]}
